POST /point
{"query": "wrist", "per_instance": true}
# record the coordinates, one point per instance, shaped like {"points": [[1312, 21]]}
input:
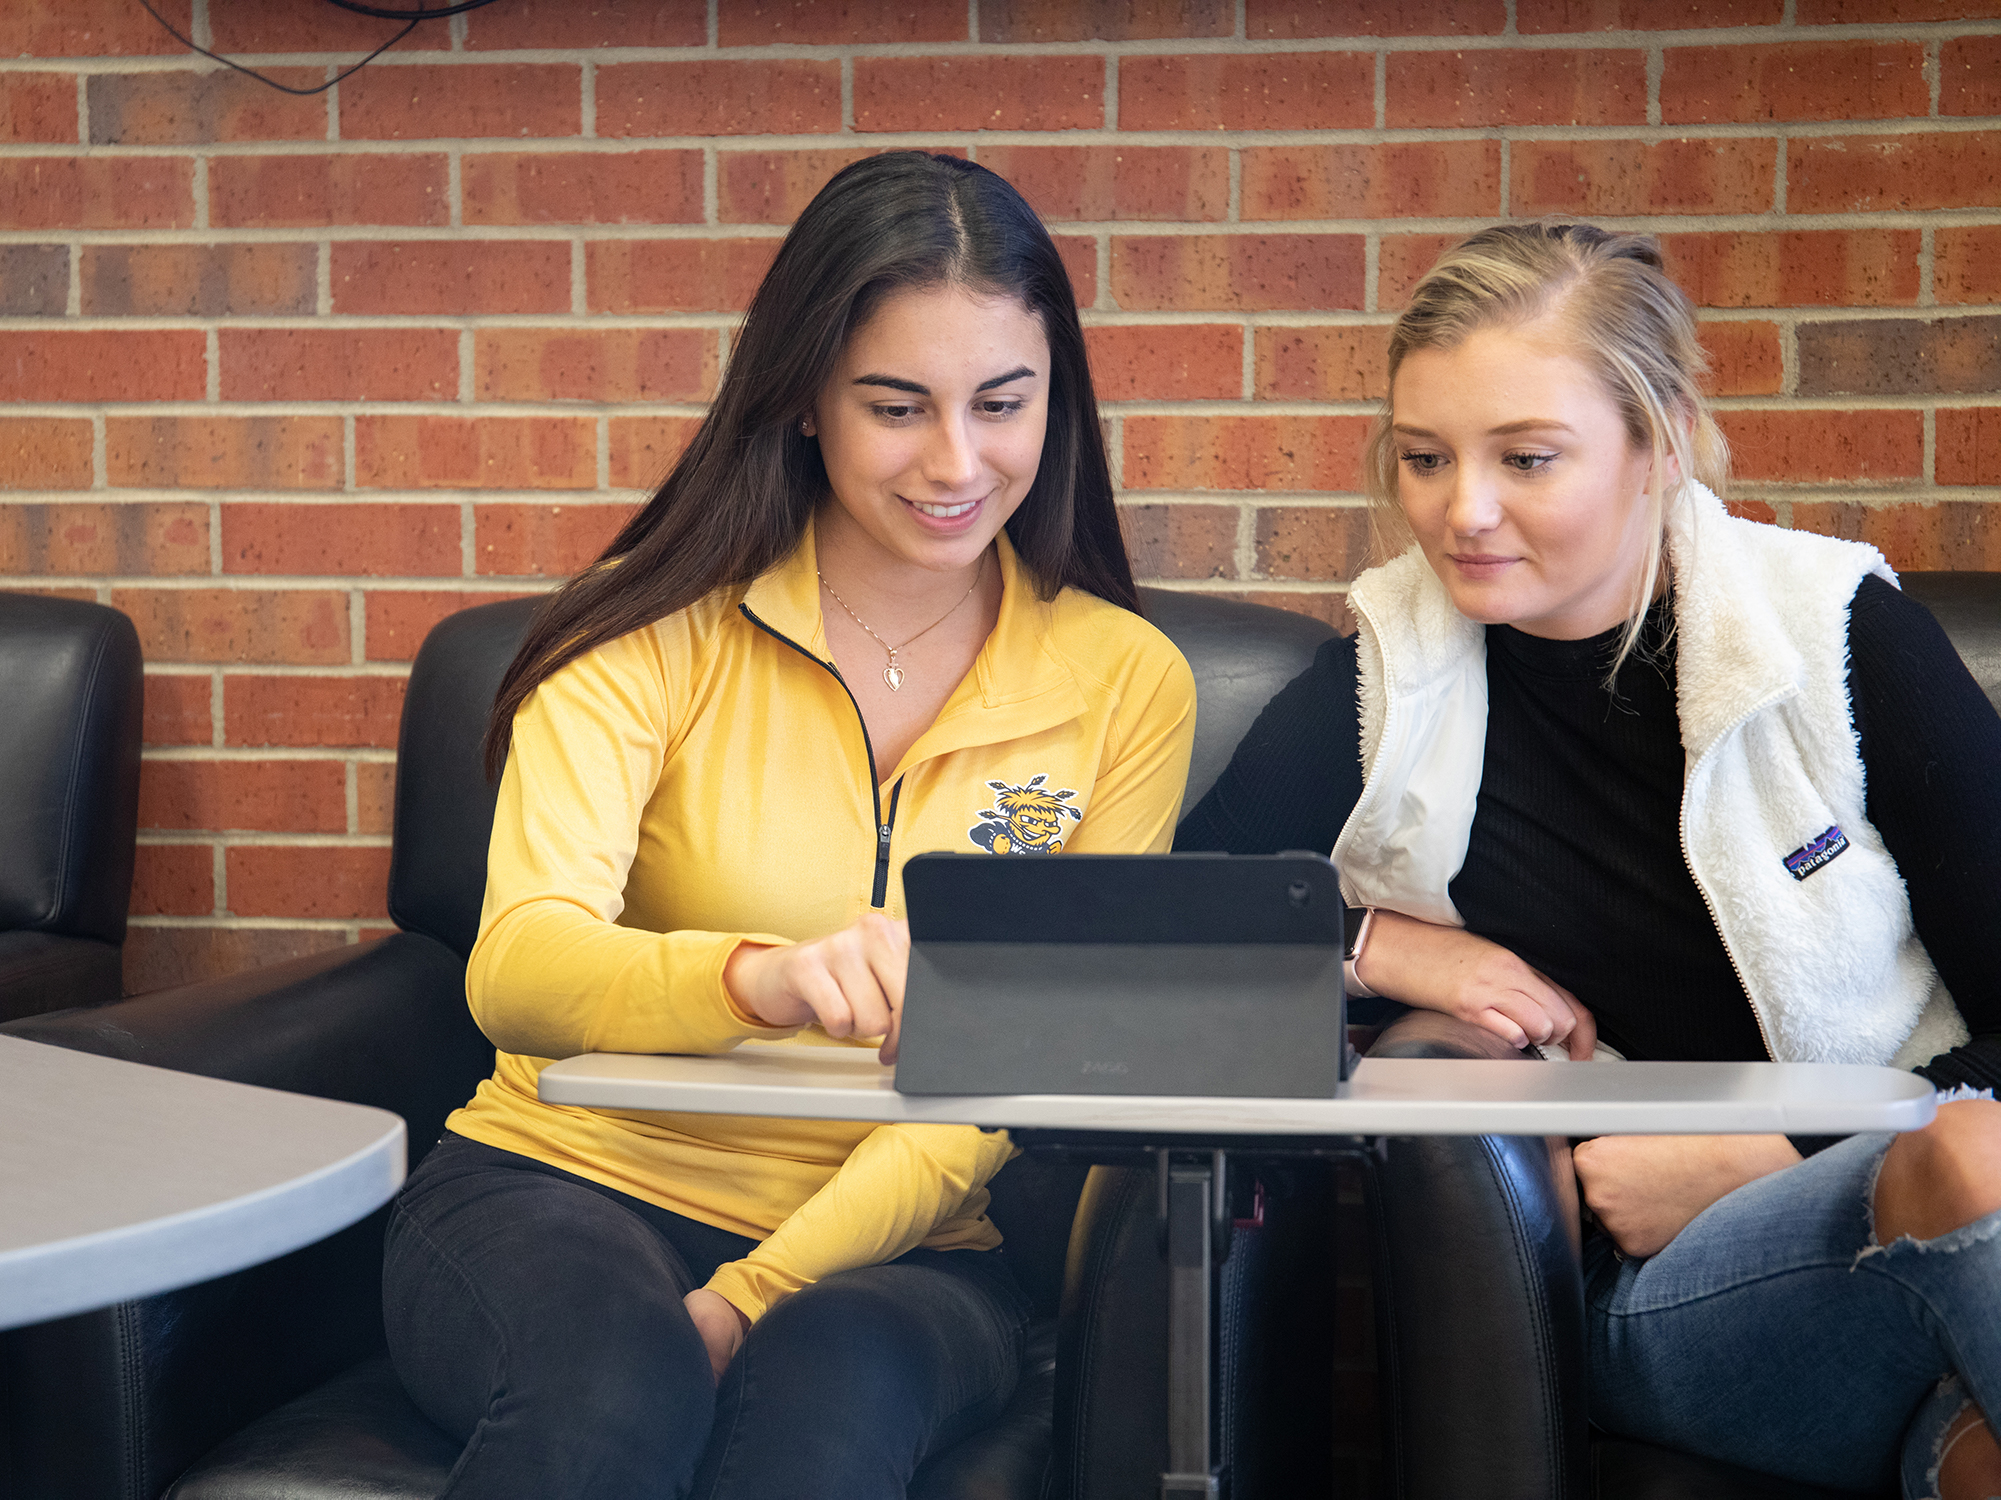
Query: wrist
{"points": [[1351, 965], [741, 989], [1761, 1155]]}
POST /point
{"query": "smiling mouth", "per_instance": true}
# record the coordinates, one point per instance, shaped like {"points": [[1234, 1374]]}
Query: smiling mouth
{"points": [[942, 512]]}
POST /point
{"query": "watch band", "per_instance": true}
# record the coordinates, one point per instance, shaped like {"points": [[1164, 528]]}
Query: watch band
{"points": [[1350, 980]]}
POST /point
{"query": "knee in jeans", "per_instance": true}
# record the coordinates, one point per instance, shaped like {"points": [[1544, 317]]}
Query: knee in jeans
{"points": [[1944, 1177], [631, 1375], [844, 1330]]}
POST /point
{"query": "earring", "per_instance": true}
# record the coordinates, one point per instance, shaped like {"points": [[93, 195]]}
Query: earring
{"points": [[805, 427]]}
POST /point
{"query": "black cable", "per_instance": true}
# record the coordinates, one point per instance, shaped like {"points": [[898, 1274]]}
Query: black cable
{"points": [[408, 15], [412, 16]]}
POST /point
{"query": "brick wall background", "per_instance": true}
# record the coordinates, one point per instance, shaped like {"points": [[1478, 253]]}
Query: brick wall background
{"points": [[289, 379]]}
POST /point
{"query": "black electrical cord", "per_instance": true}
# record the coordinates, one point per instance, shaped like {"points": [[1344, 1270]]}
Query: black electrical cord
{"points": [[409, 15], [412, 16]]}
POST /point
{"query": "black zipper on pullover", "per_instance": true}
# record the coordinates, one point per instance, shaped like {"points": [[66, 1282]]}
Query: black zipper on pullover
{"points": [[879, 893]]}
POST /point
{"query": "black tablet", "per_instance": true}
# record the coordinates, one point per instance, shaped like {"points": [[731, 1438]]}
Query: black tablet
{"points": [[1166, 974]]}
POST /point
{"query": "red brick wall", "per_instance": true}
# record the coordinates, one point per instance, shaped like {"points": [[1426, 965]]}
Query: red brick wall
{"points": [[288, 379]]}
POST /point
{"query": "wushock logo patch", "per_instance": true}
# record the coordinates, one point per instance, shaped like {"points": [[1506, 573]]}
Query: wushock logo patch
{"points": [[1026, 819]]}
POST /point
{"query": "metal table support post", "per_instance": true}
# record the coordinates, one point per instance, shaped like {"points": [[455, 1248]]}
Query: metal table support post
{"points": [[1194, 1213]]}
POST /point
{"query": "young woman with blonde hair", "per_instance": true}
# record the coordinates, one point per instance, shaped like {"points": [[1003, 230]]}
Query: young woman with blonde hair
{"points": [[1609, 769]]}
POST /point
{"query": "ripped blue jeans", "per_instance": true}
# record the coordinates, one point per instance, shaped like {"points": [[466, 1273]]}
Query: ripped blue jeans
{"points": [[1775, 1333]]}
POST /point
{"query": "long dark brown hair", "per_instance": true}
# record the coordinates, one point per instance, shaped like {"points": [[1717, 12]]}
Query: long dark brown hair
{"points": [[738, 500]]}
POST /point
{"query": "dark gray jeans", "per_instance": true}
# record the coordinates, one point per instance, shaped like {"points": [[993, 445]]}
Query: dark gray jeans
{"points": [[537, 1317]]}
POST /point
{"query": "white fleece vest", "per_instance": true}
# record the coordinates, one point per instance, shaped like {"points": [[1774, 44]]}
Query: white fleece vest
{"points": [[1808, 902]]}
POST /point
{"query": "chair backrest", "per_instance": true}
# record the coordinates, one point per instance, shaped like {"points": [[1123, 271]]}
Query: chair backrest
{"points": [[71, 677], [444, 803], [1241, 655], [1968, 605]]}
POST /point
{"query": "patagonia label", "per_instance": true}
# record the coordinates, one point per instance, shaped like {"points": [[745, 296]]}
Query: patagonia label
{"points": [[1803, 861]]}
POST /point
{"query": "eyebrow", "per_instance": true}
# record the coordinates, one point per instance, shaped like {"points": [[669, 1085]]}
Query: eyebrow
{"points": [[1531, 424], [1503, 431], [897, 383]]}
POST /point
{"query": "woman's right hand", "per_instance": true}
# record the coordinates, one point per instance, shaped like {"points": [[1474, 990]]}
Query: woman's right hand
{"points": [[850, 983], [1452, 970]]}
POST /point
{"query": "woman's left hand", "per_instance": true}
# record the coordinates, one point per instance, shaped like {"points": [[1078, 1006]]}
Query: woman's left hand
{"points": [[1646, 1189], [719, 1323]]}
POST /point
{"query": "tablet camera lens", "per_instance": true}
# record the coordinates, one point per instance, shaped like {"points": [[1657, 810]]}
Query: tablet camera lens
{"points": [[1299, 893]]}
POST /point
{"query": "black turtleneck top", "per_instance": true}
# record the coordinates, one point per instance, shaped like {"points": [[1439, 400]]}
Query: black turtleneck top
{"points": [[1575, 862]]}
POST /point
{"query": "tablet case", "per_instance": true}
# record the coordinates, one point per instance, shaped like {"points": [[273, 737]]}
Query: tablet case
{"points": [[1188, 974]]}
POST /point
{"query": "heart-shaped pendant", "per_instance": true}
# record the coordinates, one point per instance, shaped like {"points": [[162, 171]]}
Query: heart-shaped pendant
{"points": [[893, 675]]}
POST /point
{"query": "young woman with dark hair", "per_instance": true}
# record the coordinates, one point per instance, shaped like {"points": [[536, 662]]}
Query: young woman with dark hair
{"points": [[879, 607], [1615, 771]]}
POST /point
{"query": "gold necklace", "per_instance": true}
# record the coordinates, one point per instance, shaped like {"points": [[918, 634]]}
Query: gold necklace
{"points": [[893, 674]]}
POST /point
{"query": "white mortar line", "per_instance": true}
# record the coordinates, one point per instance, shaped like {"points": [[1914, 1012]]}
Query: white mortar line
{"points": [[1509, 38], [218, 670], [1245, 556], [1096, 135], [260, 838]]}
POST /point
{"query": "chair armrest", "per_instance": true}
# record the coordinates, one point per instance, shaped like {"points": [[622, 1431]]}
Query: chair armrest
{"points": [[1484, 1363], [112, 1405], [45, 971], [382, 1023]]}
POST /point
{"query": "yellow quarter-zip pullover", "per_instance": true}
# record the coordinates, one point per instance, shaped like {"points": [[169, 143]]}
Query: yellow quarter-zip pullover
{"points": [[706, 781]]}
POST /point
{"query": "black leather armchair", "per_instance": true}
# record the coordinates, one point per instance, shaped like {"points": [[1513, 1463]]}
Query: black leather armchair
{"points": [[69, 800], [1484, 1363], [271, 1383]]}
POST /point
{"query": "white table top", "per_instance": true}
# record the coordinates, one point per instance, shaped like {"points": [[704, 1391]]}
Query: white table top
{"points": [[119, 1180], [1384, 1097]]}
